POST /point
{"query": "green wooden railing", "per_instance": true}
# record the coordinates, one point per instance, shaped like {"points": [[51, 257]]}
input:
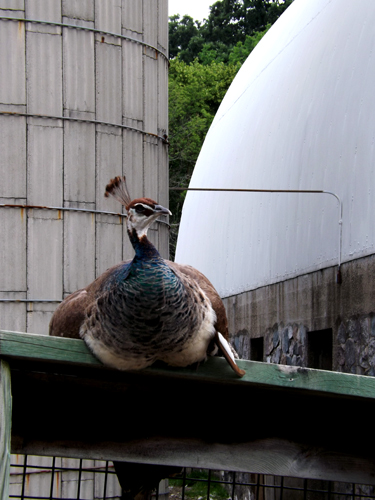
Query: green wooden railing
{"points": [[277, 419]]}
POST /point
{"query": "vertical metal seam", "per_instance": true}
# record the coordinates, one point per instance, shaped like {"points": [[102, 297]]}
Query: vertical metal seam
{"points": [[143, 65], [123, 136], [96, 167], [158, 118], [27, 173], [63, 162]]}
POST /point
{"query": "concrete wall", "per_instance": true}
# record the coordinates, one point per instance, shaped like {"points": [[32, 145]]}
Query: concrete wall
{"points": [[285, 313], [67, 96]]}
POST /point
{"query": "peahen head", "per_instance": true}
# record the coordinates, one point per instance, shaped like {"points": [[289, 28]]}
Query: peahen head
{"points": [[142, 212]]}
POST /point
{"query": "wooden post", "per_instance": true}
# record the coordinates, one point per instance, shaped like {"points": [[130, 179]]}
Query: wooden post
{"points": [[5, 428]]}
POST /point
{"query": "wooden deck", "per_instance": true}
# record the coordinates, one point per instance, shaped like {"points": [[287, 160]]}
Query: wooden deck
{"points": [[276, 420]]}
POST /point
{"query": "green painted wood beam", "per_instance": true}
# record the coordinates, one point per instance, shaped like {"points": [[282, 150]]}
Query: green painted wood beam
{"points": [[5, 428], [72, 351]]}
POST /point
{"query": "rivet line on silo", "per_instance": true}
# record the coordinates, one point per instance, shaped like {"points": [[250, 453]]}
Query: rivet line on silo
{"points": [[63, 209], [163, 138], [86, 28]]}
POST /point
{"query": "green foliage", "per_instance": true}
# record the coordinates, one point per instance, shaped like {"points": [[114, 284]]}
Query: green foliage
{"points": [[229, 22], [184, 38], [195, 93], [214, 52], [196, 486], [241, 50]]}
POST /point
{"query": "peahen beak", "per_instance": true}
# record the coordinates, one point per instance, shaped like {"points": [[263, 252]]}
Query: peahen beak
{"points": [[162, 210]]}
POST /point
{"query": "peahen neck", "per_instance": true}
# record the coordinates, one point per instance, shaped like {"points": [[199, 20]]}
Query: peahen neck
{"points": [[143, 247]]}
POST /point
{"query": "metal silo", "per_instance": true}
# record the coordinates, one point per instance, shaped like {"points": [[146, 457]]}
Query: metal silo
{"points": [[83, 97]]}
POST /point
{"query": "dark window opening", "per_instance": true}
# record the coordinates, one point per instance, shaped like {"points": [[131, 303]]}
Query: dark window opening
{"points": [[319, 349], [256, 349]]}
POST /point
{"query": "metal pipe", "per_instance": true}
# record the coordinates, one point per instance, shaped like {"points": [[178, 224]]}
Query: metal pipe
{"points": [[297, 191], [63, 209], [69, 209]]}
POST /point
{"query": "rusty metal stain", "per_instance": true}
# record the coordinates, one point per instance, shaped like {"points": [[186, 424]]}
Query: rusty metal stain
{"points": [[103, 39], [59, 214], [21, 30], [22, 214]]}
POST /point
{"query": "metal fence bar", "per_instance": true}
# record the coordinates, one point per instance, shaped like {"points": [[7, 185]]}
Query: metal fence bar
{"points": [[52, 477], [233, 484], [24, 478], [105, 481], [79, 479], [328, 492]]}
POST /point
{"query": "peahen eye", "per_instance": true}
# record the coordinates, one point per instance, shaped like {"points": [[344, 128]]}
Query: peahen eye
{"points": [[139, 209]]}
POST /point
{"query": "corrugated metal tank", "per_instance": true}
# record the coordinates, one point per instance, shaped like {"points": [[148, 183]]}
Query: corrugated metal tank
{"points": [[83, 97], [300, 115]]}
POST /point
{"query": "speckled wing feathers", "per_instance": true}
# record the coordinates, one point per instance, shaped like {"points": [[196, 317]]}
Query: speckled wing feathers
{"points": [[151, 315], [169, 322]]}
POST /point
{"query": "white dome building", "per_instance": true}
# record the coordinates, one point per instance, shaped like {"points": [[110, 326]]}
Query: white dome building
{"points": [[300, 115]]}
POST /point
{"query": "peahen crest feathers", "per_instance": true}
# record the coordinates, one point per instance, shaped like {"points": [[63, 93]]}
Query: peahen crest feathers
{"points": [[118, 189]]}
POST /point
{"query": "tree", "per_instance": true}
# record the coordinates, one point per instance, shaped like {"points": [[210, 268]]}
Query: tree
{"points": [[181, 33], [222, 24], [241, 51], [229, 22], [195, 93]]}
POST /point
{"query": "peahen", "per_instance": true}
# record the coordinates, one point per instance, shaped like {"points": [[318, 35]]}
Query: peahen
{"points": [[145, 309]]}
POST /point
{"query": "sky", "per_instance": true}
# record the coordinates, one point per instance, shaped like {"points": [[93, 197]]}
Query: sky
{"points": [[197, 9]]}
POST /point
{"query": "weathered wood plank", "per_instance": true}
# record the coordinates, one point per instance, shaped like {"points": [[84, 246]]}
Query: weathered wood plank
{"points": [[269, 456], [5, 428], [258, 374], [100, 413], [32, 346]]}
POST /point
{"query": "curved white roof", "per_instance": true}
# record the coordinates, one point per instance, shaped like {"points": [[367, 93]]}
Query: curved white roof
{"points": [[300, 114]]}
